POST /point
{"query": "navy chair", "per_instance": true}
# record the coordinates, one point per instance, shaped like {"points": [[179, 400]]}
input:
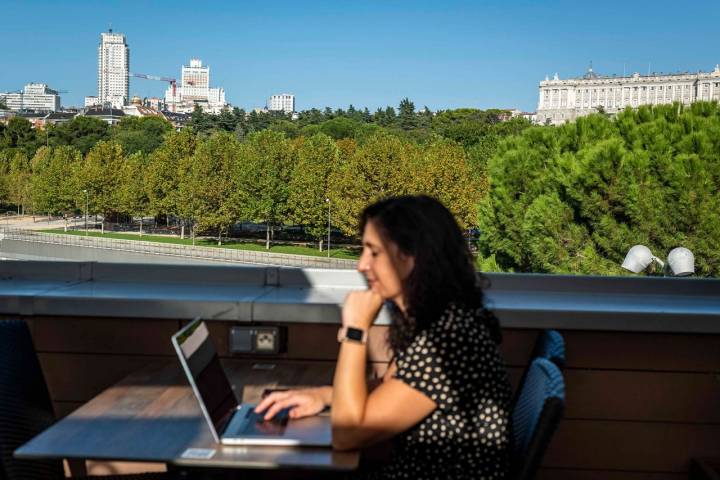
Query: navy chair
{"points": [[25, 407], [551, 345], [535, 417]]}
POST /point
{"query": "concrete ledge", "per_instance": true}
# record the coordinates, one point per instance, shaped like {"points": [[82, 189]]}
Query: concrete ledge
{"points": [[277, 294]]}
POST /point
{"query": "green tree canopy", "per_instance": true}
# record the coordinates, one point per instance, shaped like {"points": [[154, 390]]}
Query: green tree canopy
{"points": [[53, 186], [261, 177], [140, 134], [309, 189], [574, 199]]}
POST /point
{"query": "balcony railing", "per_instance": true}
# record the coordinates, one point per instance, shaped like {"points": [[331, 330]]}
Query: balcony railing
{"points": [[642, 353]]}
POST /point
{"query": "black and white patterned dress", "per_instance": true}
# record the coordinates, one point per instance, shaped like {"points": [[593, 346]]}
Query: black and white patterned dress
{"points": [[455, 363]]}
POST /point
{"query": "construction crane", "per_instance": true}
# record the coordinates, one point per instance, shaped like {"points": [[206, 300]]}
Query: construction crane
{"points": [[171, 81]]}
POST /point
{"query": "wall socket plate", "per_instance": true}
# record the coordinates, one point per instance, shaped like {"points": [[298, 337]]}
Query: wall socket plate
{"points": [[257, 339]]}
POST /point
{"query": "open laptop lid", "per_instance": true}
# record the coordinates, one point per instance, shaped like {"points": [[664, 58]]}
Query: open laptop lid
{"points": [[206, 376]]}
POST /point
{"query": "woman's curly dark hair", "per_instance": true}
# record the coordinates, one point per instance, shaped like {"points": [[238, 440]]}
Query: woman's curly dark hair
{"points": [[444, 272]]}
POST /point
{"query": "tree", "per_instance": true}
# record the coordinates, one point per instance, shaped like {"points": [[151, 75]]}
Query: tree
{"points": [[52, 187], [260, 179], [575, 198], [82, 132], [19, 134], [379, 168], [206, 190], [340, 127], [19, 181], [443, 173], [407, 120], [131, 198], [140, 134], [309, 190], [97, 175], [167, 167]]}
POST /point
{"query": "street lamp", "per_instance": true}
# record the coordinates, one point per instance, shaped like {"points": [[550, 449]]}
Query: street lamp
{"points": [[681, 261], [86, 211], [328, 246]]}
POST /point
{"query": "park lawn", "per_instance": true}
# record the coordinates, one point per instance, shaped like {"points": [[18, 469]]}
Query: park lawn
{"points": [[345, 253]]}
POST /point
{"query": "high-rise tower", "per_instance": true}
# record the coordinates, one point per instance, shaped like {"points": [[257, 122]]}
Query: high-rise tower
{"points": [[113, 69]]}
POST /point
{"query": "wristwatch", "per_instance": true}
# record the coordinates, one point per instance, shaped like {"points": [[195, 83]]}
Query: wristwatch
{"points": [[352, 334]]}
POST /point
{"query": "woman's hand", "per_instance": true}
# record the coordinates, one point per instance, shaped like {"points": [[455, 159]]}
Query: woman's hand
{"points": [[302, 402], [361, 308]]}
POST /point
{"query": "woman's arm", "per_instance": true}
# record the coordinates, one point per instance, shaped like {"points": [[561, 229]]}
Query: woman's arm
{"points": [[360, 418]]}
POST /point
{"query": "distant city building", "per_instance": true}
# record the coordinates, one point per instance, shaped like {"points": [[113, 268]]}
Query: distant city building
{"points": [[155, 103], [35, 97], [565, 100], [113, 70], [36, 119], [107, 114], [137, 109], [283, 102], [195, 90], [57, 118], [514, 113], [178, 120], [92, 101]]}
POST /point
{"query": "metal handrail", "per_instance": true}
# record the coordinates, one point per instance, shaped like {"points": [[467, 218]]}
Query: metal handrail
{"points": [[177, 250]]}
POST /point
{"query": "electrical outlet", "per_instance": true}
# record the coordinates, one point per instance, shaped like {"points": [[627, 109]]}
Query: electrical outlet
{"points": [[266, 340]]}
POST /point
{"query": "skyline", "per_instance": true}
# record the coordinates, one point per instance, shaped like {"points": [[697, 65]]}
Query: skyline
{"points": [[370, 55]]}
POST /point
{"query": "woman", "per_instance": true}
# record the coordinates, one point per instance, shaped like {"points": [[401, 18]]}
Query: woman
{"points": [[445, 397]]}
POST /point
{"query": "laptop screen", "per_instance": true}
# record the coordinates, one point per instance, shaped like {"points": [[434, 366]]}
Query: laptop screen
{"points": [[210, 380]]}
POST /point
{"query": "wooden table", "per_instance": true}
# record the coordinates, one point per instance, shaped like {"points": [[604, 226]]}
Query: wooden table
{"points": [[153, 416]]}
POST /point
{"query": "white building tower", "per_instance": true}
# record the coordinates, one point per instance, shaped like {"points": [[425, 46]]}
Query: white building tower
{"points": [[195, 91], [283, 102], [113, 69]]}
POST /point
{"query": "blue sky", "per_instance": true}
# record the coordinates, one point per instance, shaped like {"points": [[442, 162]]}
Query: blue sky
{"points": [[443, 54]]}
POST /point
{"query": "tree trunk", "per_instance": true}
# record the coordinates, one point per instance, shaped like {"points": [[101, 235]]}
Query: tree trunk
{"points": [[182, 231], [320, 243], [192, 233], [267, 236], [141, 220], [102, 227], [219, 237]]}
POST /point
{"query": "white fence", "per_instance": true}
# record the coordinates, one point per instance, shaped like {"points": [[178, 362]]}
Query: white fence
{"points": [[176, 250]]}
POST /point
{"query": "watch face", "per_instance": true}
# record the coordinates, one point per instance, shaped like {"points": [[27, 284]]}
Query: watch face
{"points": [[354, 334]]}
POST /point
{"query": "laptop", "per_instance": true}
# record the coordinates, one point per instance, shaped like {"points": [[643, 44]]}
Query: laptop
{"points": [[232, 423]]}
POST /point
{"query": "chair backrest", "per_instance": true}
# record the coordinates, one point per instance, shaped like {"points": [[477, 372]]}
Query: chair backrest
{"points": [[25, 407], [551, 345], [535, 417]]}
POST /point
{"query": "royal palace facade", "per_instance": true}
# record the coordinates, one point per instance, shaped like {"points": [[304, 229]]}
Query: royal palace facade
{"points": [[565, 100]]}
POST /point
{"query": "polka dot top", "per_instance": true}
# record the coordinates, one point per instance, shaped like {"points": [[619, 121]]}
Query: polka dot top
{"points": [[455, 363]]}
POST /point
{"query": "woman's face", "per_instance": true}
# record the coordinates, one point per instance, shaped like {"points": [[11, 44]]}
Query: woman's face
{"points": [[384, 266]]}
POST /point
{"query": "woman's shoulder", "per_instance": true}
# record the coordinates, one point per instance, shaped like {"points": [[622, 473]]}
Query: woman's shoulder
{"points": [[457, 316]]}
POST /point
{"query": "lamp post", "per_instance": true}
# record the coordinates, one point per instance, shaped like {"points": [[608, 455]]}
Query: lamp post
{"points": [[86, 211], [328, 246]]}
